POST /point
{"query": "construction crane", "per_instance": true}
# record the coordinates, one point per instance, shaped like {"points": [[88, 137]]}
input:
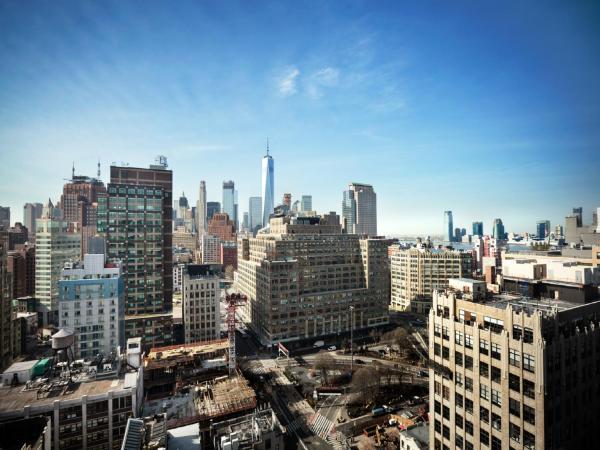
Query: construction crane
{"points": [[233, 301]]}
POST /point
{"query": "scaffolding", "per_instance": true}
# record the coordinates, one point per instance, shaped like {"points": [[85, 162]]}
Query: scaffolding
{"points": [[224, 396]]}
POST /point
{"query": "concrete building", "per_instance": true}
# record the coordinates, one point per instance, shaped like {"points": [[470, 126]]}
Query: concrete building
{"points": [[259, 430], [210, 248], [361, 199], [92, 306], [267, 187], [182, 238], [415, 438], [7, 314], [136, 218], [5, 217], [201, 209], [54, 247], [21, 264], [88, 409], [302, 276], [228, 255], [178, 276], [201, 296], [416, 272], [31, 212], [17, 235], [511, 372], [448, 226], [222, 227], [576, 232], [255, 213]]}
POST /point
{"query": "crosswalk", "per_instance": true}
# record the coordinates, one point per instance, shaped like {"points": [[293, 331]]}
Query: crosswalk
{"points": [[321, 425], [336, 440]]}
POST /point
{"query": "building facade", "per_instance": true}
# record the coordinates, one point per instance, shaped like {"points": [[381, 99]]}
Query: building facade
{"points": [[5, 217], [228, 204], [136, 221], [361, 199], [210, 248], [478, 229], [222, 227], [54, 247], [32, 212], [211, 209], [92, 306], [417, 272], [201, 296], [511, 373], [306, 203], [201, 220], [255, 213], [267, 187], [303, 275], [498, 229], [448, 226]]}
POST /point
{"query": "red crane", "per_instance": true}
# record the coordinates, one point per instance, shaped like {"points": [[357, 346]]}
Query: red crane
{"points": [[233, 301]]}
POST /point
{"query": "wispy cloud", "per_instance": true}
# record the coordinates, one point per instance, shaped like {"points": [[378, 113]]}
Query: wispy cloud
{"points": [[287, 84], [326, 77]]}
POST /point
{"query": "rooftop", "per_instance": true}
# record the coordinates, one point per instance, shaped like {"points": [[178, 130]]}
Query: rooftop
{"points": [[420, 433], [185, 353], [224, 396], [530, 305]]}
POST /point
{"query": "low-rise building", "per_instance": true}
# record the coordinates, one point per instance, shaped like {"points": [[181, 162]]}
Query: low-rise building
{"points": [[92, 305], [415, 438]]}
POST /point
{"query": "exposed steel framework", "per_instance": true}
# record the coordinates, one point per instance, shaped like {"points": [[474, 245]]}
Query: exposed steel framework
{"points": [[233, 301]]}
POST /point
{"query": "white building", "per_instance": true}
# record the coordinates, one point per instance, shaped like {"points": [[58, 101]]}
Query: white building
{"points": [[54, 247], [177, 276], [201, 295], [210, 247], [415, 438], [92, 305]]}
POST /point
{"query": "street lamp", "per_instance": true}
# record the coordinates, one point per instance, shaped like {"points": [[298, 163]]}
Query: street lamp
{"points": [[351, 339]]}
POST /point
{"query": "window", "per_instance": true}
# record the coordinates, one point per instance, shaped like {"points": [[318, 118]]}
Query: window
{"points": [[458, 420], [459, 337], [469, 405], [445, 333], [484, 346], [468, 341], [528, 440], [446, 432], [468, 362], [514, 358], [514, 407], [446, 392], [459, 379], [529, 414], [496, 397], [469, 427], [437, 425], [514, 432], [484, 369], [514, 382], [445, 352], [437, 350], [437, 330], [528, 362], [528, 388], [496, 374], [484, 392], [517, 332], [494, 325], [437, 407], [458, 441], [484, 437], [458, 400], [496, 422], [446, 412], [484, 414], [468, 384], [468, 445], [496, 352], [527, 335], [458, 358], [496, 443], [437, 387]]}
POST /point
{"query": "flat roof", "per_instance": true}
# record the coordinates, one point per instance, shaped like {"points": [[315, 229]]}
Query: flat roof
{"points": [[467, 280], [520, 302], [21, 366]]}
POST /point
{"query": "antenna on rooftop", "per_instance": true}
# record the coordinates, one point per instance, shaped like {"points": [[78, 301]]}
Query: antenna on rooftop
{"points": [[98, 168]]}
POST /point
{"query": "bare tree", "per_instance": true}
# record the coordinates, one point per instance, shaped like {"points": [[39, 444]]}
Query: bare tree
{"points": [[365, 382], [324, 362]]}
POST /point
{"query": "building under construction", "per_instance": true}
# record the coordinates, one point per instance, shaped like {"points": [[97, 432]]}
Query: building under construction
{"points": [[168, 369]]}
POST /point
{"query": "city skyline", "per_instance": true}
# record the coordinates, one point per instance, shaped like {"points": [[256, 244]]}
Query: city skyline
{"points": [[372, 96]]}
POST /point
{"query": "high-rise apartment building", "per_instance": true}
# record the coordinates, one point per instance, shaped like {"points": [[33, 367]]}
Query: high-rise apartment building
{"points": [[54, 247], [306, 203], [268, 187], [201, 307], [228, 204], [31, 212], [448, 227], [222, 227], [17, 235], [4, 217], [498, 229], [92, 306], [478, 229], [21, 264], [201, 210], [359, 209], [302, 277], [508, 372], [136, 218], [211, 209], [210, 248], [255, 213], [416, 272]]}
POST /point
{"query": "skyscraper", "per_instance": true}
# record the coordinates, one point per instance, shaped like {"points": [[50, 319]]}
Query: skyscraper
{"points": [[287, 200], [306, 203], [268, 187], [211, 209], [498, 229], [5, 217], [477, 228], [136, 219], [578, 212], [542, 228], [31, 212], [359, 209], [201, 213], [448, 227], [228, 204], [255, 213]]}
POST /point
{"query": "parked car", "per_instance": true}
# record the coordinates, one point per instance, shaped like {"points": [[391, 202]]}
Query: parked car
{"points": [[332, 348], [359, 361]]}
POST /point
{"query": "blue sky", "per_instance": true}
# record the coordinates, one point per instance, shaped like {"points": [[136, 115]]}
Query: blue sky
{"points": [[491, 109]]}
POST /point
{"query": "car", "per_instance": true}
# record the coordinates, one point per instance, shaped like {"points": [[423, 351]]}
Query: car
{"points": [[359, 361], [332, 348]]}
